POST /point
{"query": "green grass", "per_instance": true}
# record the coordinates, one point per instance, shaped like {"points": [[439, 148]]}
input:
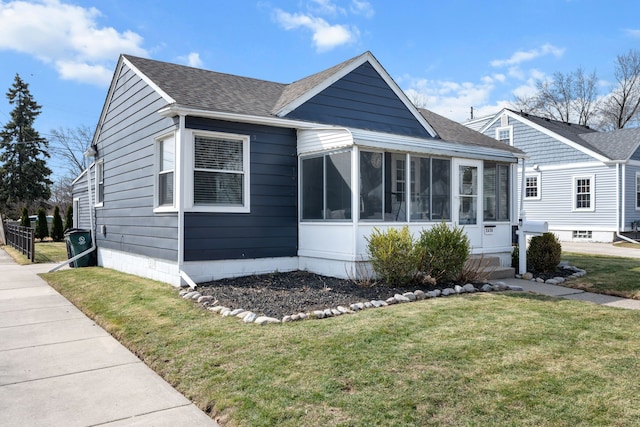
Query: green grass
{"points": [[606, 275], [476, 360], [45, 252]]}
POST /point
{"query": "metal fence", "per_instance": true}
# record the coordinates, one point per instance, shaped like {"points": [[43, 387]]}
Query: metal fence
{"points": [[23, 239]]}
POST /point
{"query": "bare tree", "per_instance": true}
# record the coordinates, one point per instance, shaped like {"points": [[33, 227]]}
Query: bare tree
{"points": [[564, 97], [70, 144], [61, 193], [621, 107]]}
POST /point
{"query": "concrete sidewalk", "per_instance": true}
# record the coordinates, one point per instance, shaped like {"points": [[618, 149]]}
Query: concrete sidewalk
{"points": [[58, 368], [574, 294]]}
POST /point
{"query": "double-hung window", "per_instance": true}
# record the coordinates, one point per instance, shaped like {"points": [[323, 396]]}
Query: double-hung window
{"points": [[584, 193], [219, 180], [532, 187], [166, 173], [99, 183]]}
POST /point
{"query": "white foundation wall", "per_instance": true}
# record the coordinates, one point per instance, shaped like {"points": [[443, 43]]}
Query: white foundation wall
{"points": [[206, 271], [160, 270]]}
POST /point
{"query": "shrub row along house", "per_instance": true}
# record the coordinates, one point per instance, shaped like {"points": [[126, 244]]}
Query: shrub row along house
{"points": [[584, 183], [200, 175]]}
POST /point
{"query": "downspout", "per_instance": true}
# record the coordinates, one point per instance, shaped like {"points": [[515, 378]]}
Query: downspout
{"points": [[91, 152], [180, 199], [618, 205]]}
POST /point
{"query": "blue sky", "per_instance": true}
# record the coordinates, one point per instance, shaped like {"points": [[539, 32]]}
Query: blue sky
{"points": [[453, 55]]}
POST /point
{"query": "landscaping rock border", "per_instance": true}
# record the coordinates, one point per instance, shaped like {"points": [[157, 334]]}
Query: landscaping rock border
{"points": [[247, 316]]}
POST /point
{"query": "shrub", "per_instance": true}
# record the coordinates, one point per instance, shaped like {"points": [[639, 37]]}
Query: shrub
{"points": [[515, 257], [392, 255], [68, 219], [57, 232], [42, 228], [544, 252], [443, 251], [24, 219]]}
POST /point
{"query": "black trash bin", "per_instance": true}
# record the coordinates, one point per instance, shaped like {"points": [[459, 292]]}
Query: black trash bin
{"points": [[79, 241]]}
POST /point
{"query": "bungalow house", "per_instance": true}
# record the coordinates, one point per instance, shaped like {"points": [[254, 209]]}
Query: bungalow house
{"points": [[200, 175], [584, 183]]}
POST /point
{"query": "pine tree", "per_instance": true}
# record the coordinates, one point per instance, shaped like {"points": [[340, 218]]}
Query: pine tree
{"points": [[42, 228], [57, 232], [68, 219], [23, 169]]}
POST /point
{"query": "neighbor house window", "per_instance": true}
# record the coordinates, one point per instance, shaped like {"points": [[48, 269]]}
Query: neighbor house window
{"points": [[532, 187], [166, 173], [637, 190], [505, 134], [326, 187], [583, 193], [392, 184], [99, 198], [496, 191], [219, 181]]}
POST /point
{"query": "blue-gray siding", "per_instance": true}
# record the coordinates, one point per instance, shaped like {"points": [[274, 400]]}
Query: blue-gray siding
{"points": [[363, 100], [271, 227], [126, 145], [541, 148], [632, 212]]}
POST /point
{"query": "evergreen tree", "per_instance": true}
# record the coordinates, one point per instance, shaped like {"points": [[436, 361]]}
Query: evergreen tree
{"points": [[23, 154], [57, 232], [42, 228], [68, 219], [24, 218]]}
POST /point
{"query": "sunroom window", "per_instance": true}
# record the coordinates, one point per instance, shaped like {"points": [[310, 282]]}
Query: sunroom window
{"points": [[386, 180], [326, 187]]}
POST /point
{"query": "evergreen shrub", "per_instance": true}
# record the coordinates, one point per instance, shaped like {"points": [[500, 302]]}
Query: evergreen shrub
{"points": [[392, 255], [544, 253], [443, 251]]}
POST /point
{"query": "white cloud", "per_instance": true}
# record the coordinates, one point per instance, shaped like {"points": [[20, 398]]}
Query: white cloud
{"points": [[633, 33], [523, 56], [66, 36], [192, 60], [362, 8], [325, 36], [325, 7]]}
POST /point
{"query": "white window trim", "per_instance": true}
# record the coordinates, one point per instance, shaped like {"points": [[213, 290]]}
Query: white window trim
{"points": [[535, 175], [157, 207], [503, 128], [592, 194], [637, 190], [190, 162], [99, 166]]}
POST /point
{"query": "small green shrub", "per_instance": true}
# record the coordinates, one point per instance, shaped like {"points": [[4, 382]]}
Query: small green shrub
{"points": [[392, 255], [25, 221], [515, 257], [443, 251], [42, 228], [57, 232], [544, 252]]}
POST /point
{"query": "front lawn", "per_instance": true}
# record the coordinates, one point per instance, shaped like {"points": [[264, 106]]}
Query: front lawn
{"points": [[483, 359], [606, 275]]}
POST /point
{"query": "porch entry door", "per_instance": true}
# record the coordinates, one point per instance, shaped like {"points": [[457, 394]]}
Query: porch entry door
{"points": [[467, 187]]}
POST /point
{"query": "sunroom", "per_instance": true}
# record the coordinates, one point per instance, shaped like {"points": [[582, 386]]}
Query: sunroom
{"points": [[354, 180]]}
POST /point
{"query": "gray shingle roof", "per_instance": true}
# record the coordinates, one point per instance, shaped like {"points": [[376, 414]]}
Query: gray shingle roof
{"points": [[210, 90], [451, 131], [615, 145]]}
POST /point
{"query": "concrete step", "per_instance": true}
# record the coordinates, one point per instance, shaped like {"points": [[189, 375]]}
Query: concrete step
{"points": [[490, 265]]}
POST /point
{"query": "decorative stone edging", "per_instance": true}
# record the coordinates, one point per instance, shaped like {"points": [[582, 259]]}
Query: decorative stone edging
{"points": [[248, 316]]}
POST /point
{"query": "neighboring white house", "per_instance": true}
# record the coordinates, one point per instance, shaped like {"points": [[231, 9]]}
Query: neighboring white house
{"points": [[584, 183]]}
